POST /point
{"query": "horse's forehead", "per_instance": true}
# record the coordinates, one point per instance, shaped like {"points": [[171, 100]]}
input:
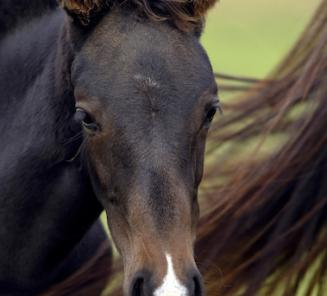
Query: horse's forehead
{"points": [[144, 65], [144, 75], [121, 28], [126, 37]]}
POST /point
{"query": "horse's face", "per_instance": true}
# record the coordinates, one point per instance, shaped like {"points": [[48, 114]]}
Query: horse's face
{"points": [[145, 94]]}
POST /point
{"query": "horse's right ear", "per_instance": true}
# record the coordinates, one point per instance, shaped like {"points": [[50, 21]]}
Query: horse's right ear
{"points": [[85, 12]]}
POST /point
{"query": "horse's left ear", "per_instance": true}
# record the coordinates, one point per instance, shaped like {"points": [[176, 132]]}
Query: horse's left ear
{"points": [[84, 12]]}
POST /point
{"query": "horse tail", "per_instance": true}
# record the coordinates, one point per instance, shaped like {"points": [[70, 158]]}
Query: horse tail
{"points": [[15, 12], [264, 228]]}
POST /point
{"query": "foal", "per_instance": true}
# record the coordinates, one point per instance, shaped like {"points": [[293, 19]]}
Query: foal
{"points": [[105, 107]]}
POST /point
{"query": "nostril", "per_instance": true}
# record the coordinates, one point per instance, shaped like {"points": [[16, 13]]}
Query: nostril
{"points": [[198, 291], [137, 289]]}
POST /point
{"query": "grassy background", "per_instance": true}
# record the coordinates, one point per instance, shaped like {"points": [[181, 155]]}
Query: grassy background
{"points": [[249, 37]]}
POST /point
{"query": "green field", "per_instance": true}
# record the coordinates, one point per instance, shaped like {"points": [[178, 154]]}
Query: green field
{"points": [[249, 37]]}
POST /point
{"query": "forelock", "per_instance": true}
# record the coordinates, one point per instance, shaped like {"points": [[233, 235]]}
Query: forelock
{"points": [[186, 15]]}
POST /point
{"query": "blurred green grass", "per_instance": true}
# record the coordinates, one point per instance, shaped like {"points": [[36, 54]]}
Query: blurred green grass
{"points": [[250, 37]]}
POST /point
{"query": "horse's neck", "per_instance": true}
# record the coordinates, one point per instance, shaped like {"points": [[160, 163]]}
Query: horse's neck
{"points": [[15, 13], [30, 106], [46, 203]]}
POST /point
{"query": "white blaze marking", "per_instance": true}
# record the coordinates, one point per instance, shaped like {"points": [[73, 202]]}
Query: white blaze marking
{"points": [[147, 80], [171, 286]]}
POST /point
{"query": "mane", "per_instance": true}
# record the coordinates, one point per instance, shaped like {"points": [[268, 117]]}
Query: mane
{"points": [[184, 14], [264, 231], [16, 12]]}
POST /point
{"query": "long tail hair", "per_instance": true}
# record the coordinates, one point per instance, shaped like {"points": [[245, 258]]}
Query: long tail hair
{"points": [[264, 229]]}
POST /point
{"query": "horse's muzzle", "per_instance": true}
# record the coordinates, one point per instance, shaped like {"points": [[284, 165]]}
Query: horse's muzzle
{"points": [[142, 285]]}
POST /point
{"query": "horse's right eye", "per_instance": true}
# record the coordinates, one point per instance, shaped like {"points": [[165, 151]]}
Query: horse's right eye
{"points": [[81, 116]]}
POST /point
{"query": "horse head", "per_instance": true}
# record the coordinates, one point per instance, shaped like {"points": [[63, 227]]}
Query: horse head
{"points": [[145, 96]]}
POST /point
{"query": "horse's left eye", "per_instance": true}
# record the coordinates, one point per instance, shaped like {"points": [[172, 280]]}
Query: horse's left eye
{"points": [[81, 116], [211, 112]]}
